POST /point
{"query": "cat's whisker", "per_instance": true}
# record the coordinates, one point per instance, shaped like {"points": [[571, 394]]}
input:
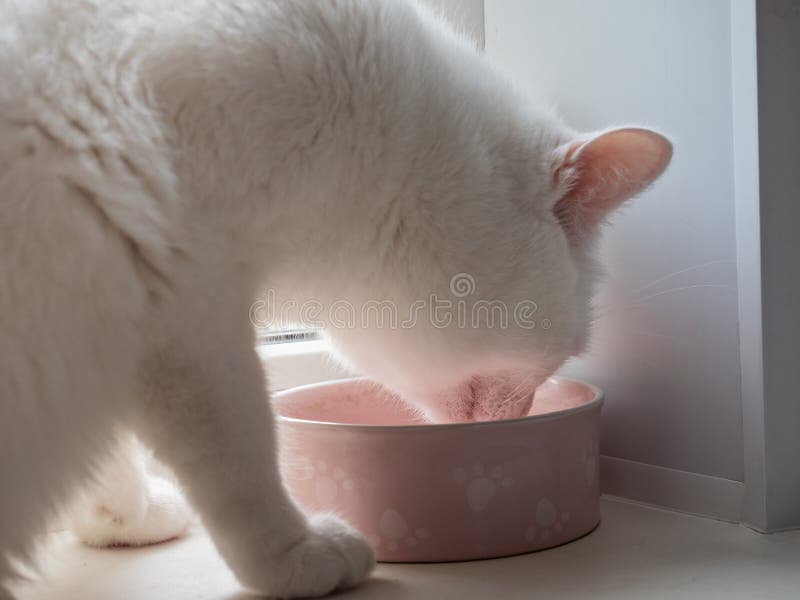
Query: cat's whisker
{"points": [[600, 313], [519, 389], [528, 379], [681, 272], [689, 287], [517, 394]]}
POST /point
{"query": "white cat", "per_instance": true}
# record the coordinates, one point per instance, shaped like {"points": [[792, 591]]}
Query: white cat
{"points": [[160, 163]]}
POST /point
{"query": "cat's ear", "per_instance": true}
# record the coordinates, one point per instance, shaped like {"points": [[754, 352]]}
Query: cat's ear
{"points": [[600, 172]]}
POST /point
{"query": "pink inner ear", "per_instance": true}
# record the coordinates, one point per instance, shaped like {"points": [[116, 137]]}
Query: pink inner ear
{"points": [[604, 172]]}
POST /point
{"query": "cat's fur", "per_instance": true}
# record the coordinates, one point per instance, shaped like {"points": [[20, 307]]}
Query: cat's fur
{"points": [[160, 163]]}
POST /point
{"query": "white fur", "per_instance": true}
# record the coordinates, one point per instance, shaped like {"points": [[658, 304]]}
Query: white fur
{"points": [[161, 163], [127, 505]]}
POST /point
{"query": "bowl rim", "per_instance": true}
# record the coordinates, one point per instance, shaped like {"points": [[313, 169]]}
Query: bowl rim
{"points": [[596, 402]]}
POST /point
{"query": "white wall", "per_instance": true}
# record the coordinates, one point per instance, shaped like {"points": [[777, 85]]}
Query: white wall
{"points": [[748, 243], [666, 349]]}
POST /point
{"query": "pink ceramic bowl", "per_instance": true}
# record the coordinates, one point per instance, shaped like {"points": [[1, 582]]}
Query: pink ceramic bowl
{"points": [[430, 493]]}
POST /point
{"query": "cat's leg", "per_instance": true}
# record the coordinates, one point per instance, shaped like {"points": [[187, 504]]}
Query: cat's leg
{"points": [[71, 310], [124, 505], [207, 416]]}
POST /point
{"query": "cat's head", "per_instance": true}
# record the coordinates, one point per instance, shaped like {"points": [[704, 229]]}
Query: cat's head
{"points": [[480, 233], [500, 268]]}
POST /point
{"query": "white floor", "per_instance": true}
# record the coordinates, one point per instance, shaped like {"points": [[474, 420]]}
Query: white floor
{"points": [[636, 553]]}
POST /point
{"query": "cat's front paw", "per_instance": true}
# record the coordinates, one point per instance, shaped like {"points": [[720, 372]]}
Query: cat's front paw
{"points": [[330, 557]]}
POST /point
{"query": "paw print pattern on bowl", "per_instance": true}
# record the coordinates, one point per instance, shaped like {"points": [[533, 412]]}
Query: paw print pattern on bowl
{"points": [[547, 521], [329, 482], [395, 529], [480, 485]]}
